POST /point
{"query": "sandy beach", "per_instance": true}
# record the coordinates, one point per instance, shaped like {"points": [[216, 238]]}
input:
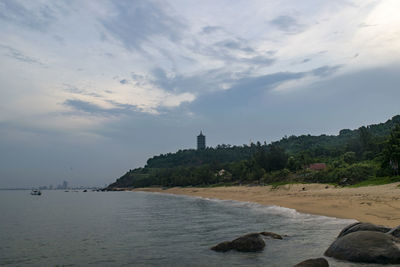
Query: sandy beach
{"points": [[374, 204]]}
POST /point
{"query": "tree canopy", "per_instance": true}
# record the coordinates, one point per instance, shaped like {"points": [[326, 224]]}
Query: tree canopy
{"points": [[353, 156]]}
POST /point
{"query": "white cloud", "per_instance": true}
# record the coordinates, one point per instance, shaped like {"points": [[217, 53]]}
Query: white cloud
{"points": [[75, 46]]}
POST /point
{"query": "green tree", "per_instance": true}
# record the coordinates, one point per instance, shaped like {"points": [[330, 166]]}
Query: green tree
{"points": [[276, 158], [349, 157], [392, 150], [292, 164]]}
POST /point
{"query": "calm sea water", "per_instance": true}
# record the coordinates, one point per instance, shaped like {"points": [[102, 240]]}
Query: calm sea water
{"points": [[145, 229]]}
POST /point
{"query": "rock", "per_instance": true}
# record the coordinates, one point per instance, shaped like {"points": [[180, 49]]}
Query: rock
{"points": [[319, 262], [246, 243], [360, 226], [365, 246], [272, 235], [395, 232], [222, 247]]}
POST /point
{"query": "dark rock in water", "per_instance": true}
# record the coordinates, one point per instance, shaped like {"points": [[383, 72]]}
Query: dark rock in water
{"points": [[223, 247], [395, 232], [246, 243], [319, 262], [360, 226], [272, 235], [365, 246]]}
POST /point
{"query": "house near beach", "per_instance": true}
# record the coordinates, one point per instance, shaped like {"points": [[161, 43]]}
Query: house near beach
{"points": [[317, 166]]}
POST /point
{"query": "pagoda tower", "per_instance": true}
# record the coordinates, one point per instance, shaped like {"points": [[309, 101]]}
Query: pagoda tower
{"points": [[201, 141]]}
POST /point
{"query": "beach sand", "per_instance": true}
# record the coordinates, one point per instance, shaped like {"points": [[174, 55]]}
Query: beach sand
{"points": [[374, 204]]}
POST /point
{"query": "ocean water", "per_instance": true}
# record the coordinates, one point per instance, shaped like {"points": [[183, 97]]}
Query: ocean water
{"points": [[149, 229]]}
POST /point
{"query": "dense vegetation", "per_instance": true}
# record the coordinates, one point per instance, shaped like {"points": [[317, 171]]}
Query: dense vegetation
{"points": [[367, 153]]}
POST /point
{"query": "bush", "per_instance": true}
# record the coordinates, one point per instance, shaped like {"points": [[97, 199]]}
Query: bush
{"points": [[276, 176], [349, 157], [356, 173]]}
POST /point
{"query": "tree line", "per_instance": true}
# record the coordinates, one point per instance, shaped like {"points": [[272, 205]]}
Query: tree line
{"points": [[350, 157]]}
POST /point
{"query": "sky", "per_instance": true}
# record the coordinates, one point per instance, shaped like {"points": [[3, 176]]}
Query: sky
{"points": [[91, 89]]}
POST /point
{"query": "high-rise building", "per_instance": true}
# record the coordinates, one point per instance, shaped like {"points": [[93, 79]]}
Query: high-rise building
{"points": [[201, 141]]}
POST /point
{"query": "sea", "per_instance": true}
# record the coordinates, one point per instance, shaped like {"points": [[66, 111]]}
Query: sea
{"points": [[77, 228]]}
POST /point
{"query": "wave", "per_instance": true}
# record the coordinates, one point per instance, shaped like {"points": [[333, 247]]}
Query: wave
{"points": [[266, 209]]}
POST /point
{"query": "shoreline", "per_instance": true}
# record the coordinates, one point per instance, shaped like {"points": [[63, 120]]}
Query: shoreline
{"points": [[373, 204]]}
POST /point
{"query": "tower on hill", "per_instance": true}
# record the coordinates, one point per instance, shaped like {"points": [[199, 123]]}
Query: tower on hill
{"points": [[201, 141]]}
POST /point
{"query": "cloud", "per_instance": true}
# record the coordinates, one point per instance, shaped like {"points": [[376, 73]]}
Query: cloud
{"points": [[20, 56], [135, 22], [252, 90], [259, 60], [94, 109], [243, 93], [77, 91], [235, 45], [325, 71], [287, 24], [211, 29], [29, 13]]}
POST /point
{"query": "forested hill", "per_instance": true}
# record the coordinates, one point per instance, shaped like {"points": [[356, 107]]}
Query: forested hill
{"points": [[192, 157], [364, 145], [347, 139], [315, 145]]}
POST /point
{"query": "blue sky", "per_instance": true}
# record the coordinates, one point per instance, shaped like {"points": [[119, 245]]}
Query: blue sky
{"points": [[90, 89]]}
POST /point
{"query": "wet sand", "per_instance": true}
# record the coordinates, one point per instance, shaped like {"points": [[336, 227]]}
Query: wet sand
{"points": [[374, 204]]}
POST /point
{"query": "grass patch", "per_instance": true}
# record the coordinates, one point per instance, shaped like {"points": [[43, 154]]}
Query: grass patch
{"points": [[215, 185], [377, 181]]}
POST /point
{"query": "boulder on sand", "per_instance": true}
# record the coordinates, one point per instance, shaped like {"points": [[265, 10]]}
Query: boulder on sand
{"points": [[395, 232], [367, 247], [319, 262], [247, 243], [360, 226]]}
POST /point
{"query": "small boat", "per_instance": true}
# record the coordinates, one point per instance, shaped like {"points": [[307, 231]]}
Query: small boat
{"points": [[35, 192]]}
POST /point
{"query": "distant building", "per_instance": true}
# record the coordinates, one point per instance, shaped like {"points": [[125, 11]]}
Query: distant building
{"points": [[317, 166], [63, 186], [201, 141]]}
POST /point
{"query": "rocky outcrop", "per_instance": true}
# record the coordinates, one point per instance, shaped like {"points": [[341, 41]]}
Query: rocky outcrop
{"points": [[319, 262], [360, 226], [272, 235], [247, 243], [366, 247]]}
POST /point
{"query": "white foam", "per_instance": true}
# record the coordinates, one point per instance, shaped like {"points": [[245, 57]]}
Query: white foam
{"points": [[272, 209]]}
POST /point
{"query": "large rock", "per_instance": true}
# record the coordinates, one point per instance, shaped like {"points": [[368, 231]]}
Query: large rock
{"points": [[223, 247], [271, 234], [360, 226], [365, 246], [246, 243], [319, 262], [395, 232]]}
